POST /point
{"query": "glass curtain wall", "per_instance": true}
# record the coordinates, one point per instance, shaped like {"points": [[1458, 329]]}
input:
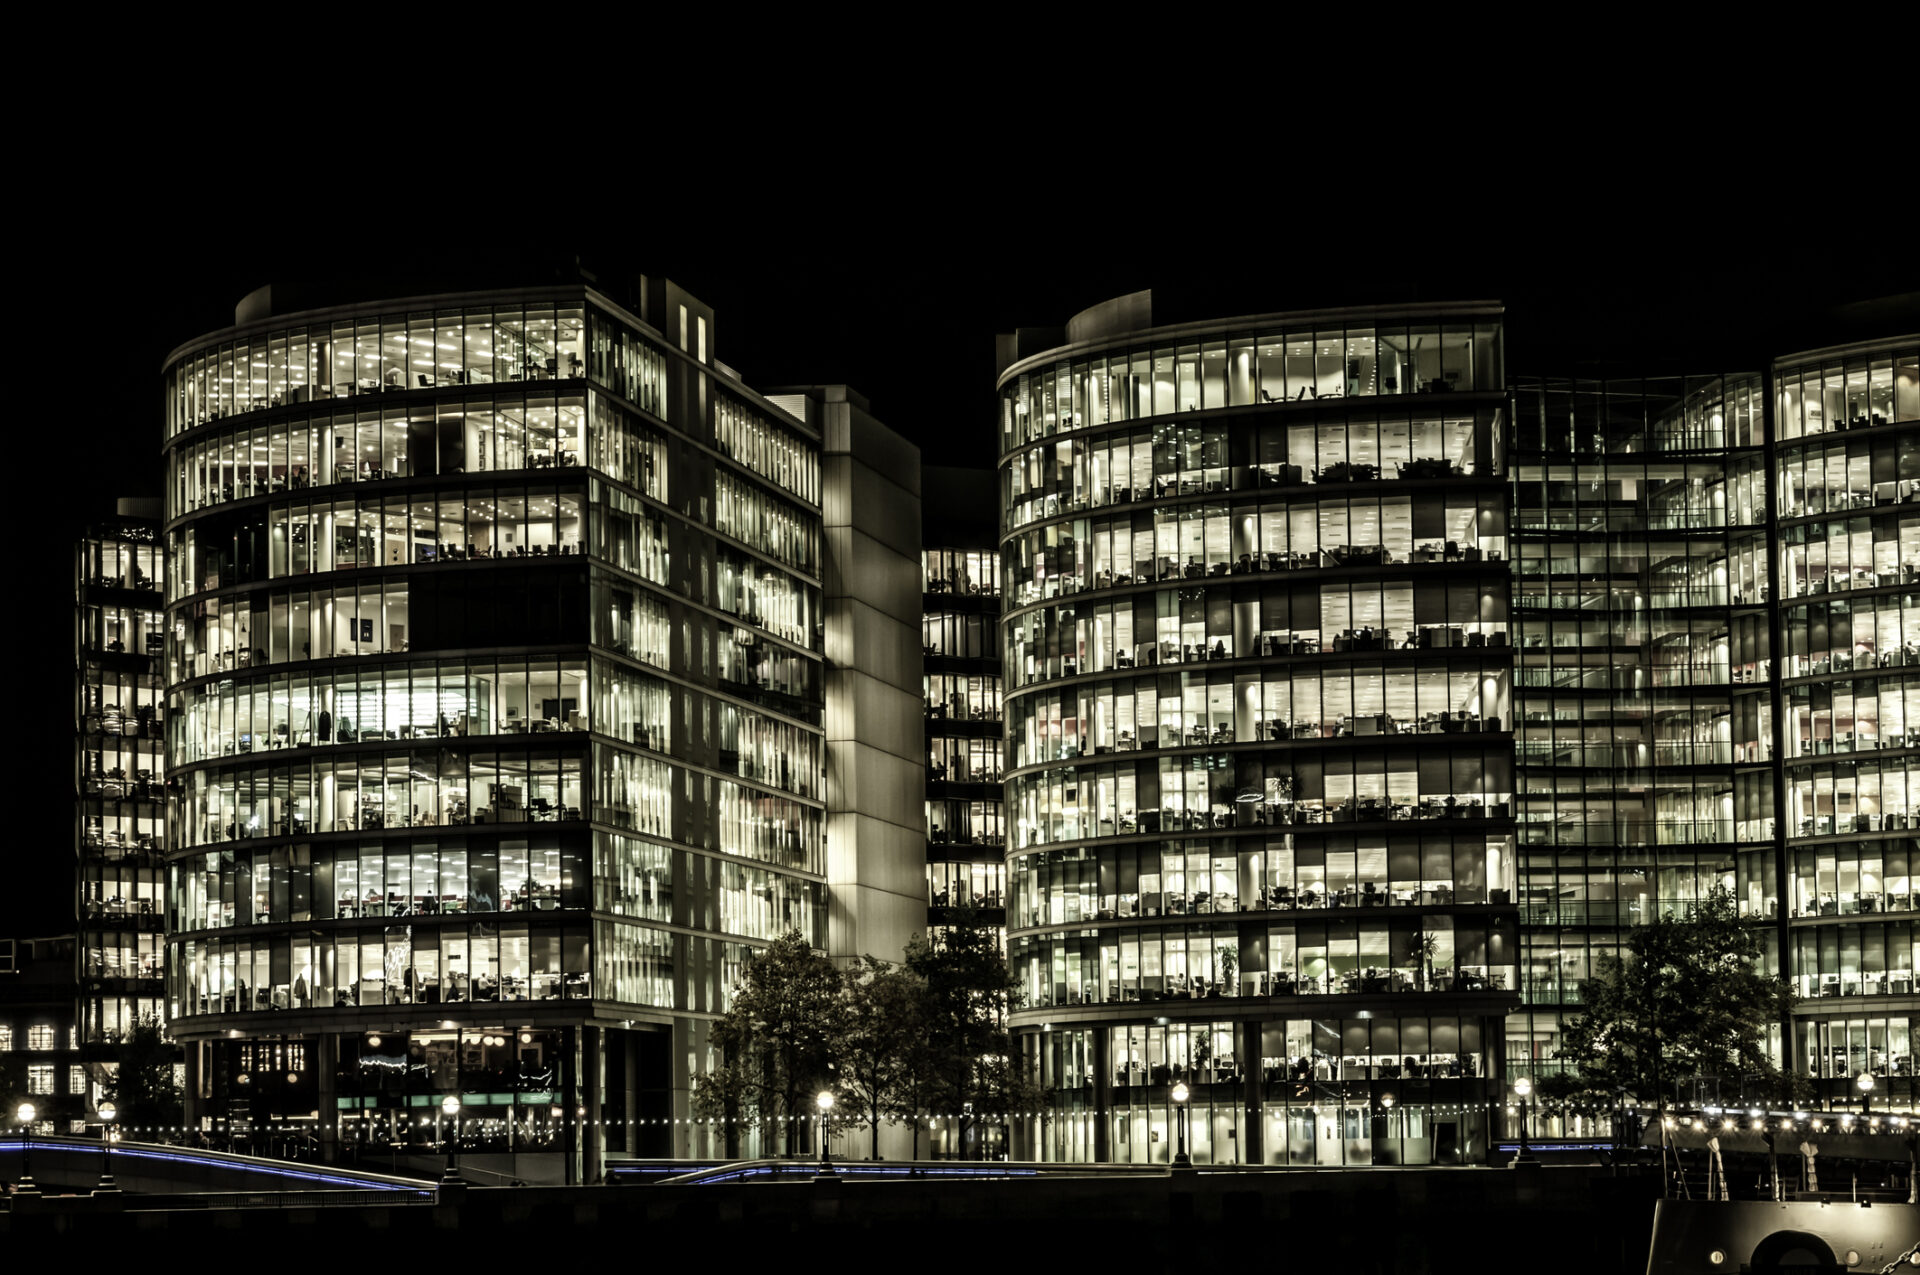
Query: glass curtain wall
{"points": [[1645, 723], [1258, 743], [1847, 497], [122, 726], [1712, 579], [481, 619]]}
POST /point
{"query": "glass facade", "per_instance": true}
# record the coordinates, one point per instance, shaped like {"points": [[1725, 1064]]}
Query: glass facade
{"points": [[965, 805], [1847, 497], [1697, 709], [122, 769], [463, 721], [966, 822], [965, 797], [1645, 728], [492, 717], [1259, 739]]}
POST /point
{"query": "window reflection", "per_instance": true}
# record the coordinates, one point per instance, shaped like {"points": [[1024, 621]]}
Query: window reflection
{"points": [[422, 440], [1254, 789], [1243, 369], [1229, 622], [1854, 393], [374, 355], [1204, 540], [1203, 458]]}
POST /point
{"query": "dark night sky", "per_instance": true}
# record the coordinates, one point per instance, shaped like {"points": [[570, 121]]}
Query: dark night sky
{"points": [[903, 304], [895, 281]]}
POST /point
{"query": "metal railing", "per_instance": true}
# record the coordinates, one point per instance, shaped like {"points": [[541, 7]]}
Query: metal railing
{"points": [[288, 1199]]}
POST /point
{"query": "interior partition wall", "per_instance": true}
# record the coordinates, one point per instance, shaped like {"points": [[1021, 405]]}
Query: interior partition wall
{"points": [[1258, 696]]}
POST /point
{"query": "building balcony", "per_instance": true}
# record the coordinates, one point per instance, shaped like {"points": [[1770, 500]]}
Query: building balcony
{"points": [[1317, 898], [1374, 990]]}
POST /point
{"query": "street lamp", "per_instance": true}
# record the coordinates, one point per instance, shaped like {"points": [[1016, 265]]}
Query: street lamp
{"points": [[108, 1114], [824, 1101], [26, 1114], [1864, 1083], [450, 1110], [1524, 1088], [1180, 1094], [1386, 1101]]}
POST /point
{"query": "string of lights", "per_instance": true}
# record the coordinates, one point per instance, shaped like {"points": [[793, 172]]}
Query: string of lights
{"points": [[1707, 1119]]}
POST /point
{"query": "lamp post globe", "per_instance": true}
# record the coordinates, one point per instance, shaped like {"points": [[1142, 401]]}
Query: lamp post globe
{"points": [[1864, 1083], [824, 1101], [25, 1113], [1181, 1093], [1523, 1089], [450, 1109], [108, 1113]]}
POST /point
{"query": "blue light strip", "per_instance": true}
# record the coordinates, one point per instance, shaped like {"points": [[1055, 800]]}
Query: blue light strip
{"points": [[868, 1170], [240, 1165], [1559, 1146]]}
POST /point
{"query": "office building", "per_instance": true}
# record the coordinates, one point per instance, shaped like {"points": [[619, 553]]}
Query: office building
{"points": [[120, 640], [965, 815], [1259, 732], [40, 1056], [1360, 698], [525, 670], [1713, 593], [1846, 590], [71, 985], [960, 635]]}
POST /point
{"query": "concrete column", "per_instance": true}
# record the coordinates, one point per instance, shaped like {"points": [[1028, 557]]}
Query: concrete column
{"points": [[876, 746], [1253, 1125], [620, 1071], [572, 1099], [876, 741], [1102, 1094], [193, 1106], [1495, 1087], [593, 1042], [689, 1041], [326, 1063]]}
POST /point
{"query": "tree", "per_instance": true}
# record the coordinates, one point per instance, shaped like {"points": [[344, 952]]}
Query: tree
{"points": [[143, 1086], [778, 1039], [915, 1084], [968, 992], [1687, 1001], [885, 1010]]}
